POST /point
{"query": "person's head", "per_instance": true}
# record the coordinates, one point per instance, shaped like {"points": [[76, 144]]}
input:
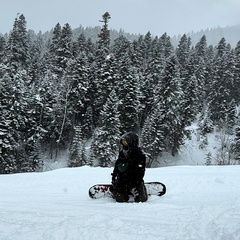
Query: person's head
{"points": [[128, 142]]}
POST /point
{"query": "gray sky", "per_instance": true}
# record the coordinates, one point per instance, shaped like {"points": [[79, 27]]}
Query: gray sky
{"points": [[133, 16]]}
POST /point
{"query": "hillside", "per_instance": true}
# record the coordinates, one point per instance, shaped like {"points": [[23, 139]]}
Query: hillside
{"points": [[213, 36], [201, 203]]}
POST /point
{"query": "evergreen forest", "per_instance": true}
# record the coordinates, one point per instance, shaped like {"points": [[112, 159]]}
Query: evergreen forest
{"points": [[72, 93]]}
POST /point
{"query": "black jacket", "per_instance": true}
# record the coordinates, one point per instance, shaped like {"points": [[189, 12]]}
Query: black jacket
{"points": [[129, 171]]}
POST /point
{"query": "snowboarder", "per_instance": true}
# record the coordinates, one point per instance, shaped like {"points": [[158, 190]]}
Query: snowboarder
{"points": [[129, 170]]}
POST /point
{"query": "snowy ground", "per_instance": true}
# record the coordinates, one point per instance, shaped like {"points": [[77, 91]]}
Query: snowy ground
{"points": [[201, 203]]}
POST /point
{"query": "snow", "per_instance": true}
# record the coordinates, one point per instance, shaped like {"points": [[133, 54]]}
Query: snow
{"points": [[202, 202]]}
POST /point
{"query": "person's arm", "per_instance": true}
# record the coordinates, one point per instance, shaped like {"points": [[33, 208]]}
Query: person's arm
{"points": [[140, 168], [115, 172]]}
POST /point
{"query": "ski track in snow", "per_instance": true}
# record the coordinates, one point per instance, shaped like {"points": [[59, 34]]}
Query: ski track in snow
{"points": [[201, 203]]}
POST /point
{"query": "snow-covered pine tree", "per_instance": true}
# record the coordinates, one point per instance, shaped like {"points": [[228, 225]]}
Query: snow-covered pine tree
{"points": [[9, 135], [60, 49], [61, 57], [102, 80], [78, 73], [2, 48], [53, 48], [199, 66], [48, 108], [90, 50], [104, 147], [236, 145], [236, 90], [18, 103], [208, 158], [138, 54], [150, 79], [128, 94], [17, 47], [205, 123], [188, 80], [80, 45], [165, 46], [52, 44], [20, 131], [169, 102], [209, 72], [189, 101], [183, 54], [104, 36], [36, 66], [221, 88], [152, 138], [64, 51], [77, 155], [87, 123]]}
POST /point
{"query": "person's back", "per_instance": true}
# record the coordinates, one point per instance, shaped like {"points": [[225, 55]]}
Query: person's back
{"points": [[129, 170]]}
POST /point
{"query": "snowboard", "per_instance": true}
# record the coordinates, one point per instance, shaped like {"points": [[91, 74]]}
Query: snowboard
{"points": [[103, 190]]}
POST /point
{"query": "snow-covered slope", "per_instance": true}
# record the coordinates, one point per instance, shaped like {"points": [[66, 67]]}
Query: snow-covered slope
{"points": [[200, 203]]}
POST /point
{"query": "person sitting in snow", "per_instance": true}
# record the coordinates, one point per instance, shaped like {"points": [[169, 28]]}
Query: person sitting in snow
{"points": [[129, 170]]}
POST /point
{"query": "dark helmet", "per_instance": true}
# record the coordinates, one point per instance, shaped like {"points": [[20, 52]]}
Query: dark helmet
{"points": [[128, 142]]}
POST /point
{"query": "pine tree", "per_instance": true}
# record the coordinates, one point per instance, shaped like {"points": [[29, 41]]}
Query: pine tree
{"points": [[104, 148], [80, 45], [188, 80], [220, 99], [49, 111], [53, 48], [102, 79], [90, 50], [205, 123], [64, 52], [236, 90], [182, 53], [128, 95], [236, 146], [87, 123], [169, 107], [142, 51], [152, 137], [199, 65], [208, 159], [36, 67], [189, 105], [104, 36], [2, 48], [17, 103], [19, 126], [165, 46], [17, 48], [120, 47], [77, 155], [9, 135], [60, 85], [60, 49], [150, 78], [77, 75]]}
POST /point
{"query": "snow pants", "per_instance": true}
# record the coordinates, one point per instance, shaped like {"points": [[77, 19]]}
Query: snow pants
{"points": [[139, 192]]}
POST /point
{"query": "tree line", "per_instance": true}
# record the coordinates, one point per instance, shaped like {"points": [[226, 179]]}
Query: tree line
{"points": [[62, 93]]}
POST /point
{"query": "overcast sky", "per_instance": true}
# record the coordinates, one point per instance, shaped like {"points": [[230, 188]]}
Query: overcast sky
{"points": [[133, 16]]}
